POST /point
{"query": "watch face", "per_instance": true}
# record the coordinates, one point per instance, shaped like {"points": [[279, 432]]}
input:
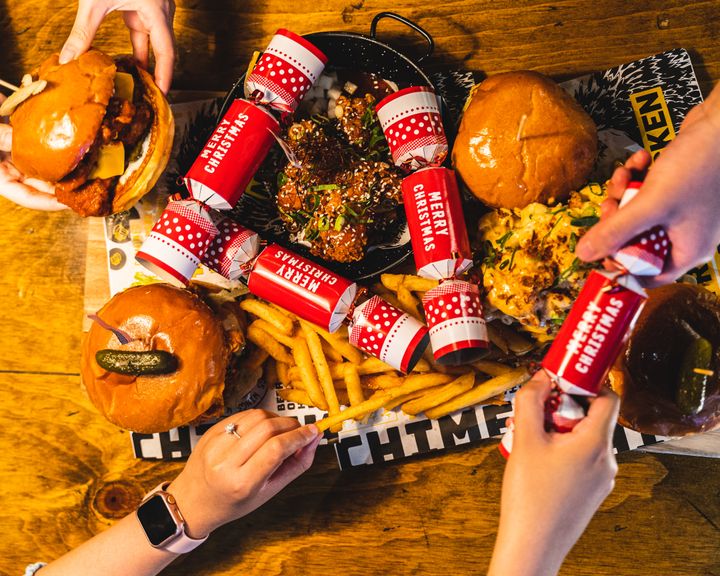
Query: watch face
{"points": [[157, 521]]}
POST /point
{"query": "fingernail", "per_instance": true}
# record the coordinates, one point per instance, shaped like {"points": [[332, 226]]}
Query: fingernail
{"points": [[311, 431], [66, 55], [584, 251]]}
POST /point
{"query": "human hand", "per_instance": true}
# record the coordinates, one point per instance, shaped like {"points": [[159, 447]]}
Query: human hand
{"points": [[680, 193], [227, 477], [149, 22], [553, 483], [27, 192]]}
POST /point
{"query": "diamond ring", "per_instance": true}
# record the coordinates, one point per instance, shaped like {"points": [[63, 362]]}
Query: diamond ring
{"points": [[232, 429]]}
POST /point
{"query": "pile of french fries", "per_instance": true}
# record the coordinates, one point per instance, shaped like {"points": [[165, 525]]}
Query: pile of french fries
{"points": [[312, 367]]}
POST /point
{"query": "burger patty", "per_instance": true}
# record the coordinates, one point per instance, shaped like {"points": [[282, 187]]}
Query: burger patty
{"points": [[124, 121]]}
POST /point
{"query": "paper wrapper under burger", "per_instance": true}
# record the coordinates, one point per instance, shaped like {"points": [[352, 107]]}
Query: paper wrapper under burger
{"points": [[302, 287], [389, 334]]}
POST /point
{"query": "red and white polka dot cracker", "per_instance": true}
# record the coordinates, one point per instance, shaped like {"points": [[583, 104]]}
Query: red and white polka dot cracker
{"points": [[455, 318], [412, 124], [178, 241], [387, 333], [646, 253], [285, 72], [233, 248]]}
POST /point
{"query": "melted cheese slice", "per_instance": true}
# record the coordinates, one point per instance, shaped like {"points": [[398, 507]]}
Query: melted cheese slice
{"points": [[111, 161], [124, 86]]}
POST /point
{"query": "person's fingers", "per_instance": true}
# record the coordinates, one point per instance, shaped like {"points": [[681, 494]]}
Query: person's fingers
{"points": [[270, 456], [141, 46], [611, 233], [639, 160], [602, 415], [608, 207], [530, 407], [40, 186], [5, 138], [618, 183], [162, 40], [292, 467], [28, 197], [260, 434], [87, 21], [244, 422]]}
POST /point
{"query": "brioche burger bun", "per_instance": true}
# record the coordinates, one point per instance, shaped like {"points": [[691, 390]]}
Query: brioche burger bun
{"points": [[101, 131], [523, 139], [662, 357], [206, 336]]}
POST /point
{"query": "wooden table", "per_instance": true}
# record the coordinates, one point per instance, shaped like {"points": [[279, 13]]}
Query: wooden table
{"points": [[68, 474]]}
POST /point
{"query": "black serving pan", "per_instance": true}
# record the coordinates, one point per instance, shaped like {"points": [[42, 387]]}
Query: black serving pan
{"points": [[257, 209]]}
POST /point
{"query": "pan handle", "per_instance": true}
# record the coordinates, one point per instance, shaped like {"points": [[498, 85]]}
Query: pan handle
{"points": [[408, 23]]}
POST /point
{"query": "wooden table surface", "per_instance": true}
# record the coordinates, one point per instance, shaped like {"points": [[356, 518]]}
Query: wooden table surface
{"points": [[68, 474]]}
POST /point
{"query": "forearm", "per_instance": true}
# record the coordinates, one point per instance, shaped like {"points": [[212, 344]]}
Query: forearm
{"points": [[121, 550], [525, 550]]}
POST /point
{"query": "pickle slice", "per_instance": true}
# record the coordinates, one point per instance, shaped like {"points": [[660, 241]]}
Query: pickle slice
{"points": [[143, 363], [694, 376]]}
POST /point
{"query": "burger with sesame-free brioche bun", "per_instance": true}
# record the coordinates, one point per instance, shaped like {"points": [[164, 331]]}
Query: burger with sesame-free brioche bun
{"points": [[101, 131], [204, 336], [523, 139]]}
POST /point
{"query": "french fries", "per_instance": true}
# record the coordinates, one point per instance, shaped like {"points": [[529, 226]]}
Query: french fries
{"points": [[481, 392], [445, 394], [268, 313], [323, 372], [310, 366], [353, 385], [412, 383], [264, 340], [308, 376]]}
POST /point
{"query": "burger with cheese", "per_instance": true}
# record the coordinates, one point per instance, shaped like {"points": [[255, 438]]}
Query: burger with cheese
{"points": [[101, 131], [158, 357]]}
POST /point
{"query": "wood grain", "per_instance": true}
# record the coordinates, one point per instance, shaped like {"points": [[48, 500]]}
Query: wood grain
{"points": [[67, 473], [563, 38]]}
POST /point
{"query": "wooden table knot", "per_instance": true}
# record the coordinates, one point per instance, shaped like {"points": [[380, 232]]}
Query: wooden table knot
{"points": [[116, 500]]}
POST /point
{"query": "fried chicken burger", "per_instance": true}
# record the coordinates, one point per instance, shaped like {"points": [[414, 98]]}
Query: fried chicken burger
{"points": [[101, 131]]}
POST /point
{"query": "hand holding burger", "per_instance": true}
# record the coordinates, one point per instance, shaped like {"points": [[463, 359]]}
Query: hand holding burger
{"points": [[26, 192], [97, 134], [149, 22]]}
